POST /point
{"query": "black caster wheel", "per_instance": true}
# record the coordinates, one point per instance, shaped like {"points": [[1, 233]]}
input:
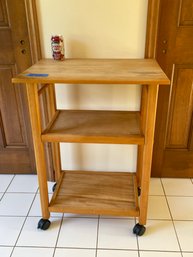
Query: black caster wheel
{"points": [[54, 187], [139, 230], [139, 191], [43, 224]]}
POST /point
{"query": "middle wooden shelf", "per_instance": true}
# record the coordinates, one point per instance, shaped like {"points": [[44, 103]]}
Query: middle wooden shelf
{"points": [[94, 126]]}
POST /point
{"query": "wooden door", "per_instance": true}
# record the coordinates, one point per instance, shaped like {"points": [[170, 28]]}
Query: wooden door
{"points": [[173, 150], [16, 148]]}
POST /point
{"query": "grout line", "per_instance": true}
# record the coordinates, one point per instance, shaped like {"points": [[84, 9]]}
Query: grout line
{"points": [[162, 187], [27, 193], [23, 225], [10, 183], [114, 249], [3, 193], [137, 238], [172, 220], [76, 248], [97, 237], [61, 222], [160, 251], [103, 249], [27, 246]]}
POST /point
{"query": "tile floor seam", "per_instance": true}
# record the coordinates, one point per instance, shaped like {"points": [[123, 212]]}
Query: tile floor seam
{"points": [[5, 191], [22, 226], [76, 248], [97, 236], [10, 183], [115, 249], [172, 220], [137, 241], [160, 251], [32, 246], [32, 205], [62, 218], [162, 186], [26, 193]]}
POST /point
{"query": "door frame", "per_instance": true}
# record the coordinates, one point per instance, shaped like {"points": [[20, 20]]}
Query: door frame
{"points": [[33, 30], [152, 28], [150, 52]]}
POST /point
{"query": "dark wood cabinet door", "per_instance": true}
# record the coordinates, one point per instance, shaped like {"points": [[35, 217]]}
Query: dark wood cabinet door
{"points": [[173, 150], [16, 147]]}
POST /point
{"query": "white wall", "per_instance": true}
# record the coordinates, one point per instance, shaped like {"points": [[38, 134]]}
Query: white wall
{"points": [[96, 29]]}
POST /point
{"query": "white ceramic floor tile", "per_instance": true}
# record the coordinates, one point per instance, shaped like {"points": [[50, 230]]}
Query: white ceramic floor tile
{"points": [[187, 254], [116, 253], [24, 184], [74, 253], [5, 181], [181, 207], [1, 194], [5, 251], [16, 204], [10, 228], [78, 232], [32, 252], [116, 234], [185, 234], [36, 209], [177, 187], [160, 254], [158, 208], [31, 236], [159, 235], [155, 187]]}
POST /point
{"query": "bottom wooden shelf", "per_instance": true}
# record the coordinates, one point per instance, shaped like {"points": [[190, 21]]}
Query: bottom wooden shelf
{"points": [[101, 193]]}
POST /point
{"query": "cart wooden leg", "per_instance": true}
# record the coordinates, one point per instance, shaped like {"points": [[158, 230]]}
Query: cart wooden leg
{"points": [[56, 160], [33, 102], [146, 155], [143, 113], [55, 146]]}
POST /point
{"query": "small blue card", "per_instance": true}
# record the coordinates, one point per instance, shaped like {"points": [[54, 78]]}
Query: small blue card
{"points": [[37, 75]]}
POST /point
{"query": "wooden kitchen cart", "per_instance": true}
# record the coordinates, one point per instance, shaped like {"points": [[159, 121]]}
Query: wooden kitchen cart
{"points": [[87, 192]]}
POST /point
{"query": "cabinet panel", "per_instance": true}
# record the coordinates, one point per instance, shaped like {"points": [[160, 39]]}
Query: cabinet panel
{"points": [[9, 106], [186, 13], [181, 108], [3, 14]]}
